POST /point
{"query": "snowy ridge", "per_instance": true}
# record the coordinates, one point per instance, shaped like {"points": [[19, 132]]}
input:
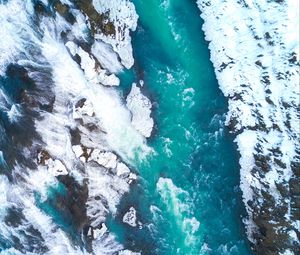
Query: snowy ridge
{"points": [[255, 51]]}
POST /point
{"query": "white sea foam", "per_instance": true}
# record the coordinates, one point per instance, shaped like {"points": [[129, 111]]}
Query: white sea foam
{"points": [[4, 188], [113, 187], [107, 105], [188, 97], [14, 113], [179, 204], [21, 197], [14, 20], [102, 105]]}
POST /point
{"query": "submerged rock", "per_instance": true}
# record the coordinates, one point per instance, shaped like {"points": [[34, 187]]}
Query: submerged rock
{"points": [[66, 109]]}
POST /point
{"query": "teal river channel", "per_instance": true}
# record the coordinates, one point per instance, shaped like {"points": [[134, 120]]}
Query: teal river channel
{"points": [[188, 199]]}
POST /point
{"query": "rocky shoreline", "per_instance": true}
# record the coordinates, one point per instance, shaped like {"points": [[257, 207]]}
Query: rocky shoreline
{"points": [[255, 52]]}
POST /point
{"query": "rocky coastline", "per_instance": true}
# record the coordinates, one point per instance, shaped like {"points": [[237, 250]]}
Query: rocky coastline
{"points": [[255, 53]]}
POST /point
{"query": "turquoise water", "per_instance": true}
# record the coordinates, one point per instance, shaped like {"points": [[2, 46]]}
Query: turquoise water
{"points": [[188, 201]]}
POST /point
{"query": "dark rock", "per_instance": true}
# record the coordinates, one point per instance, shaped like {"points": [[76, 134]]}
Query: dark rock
{"points": [[80, 103], [279, 163], [43, 157], [262, 162], [99, 22], [73, 203]]}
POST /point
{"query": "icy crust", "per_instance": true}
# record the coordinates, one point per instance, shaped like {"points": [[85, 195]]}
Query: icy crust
{"points": [[83, 142], [124, 18], [140, 107], [255, 51]]}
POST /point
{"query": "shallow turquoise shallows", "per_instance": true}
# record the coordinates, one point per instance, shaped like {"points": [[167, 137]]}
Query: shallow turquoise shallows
{"points": [[188, 201]]}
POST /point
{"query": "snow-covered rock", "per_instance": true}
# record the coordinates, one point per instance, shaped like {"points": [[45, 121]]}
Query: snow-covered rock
{"points": [[100, 232], [124, 18], [83, 107], [140, 107], [93, 73], [108, 79], [69, 117], [77, 150], [130, 217], [128, 252], [132, 177], [122, 169], [104, 158], [106, 56], [56, 167], [81, 152]]}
